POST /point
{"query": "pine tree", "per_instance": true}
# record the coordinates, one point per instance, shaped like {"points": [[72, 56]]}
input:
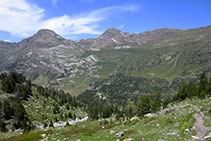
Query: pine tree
{"points": [[67, 124], [51, 124], [3, 126], [70, 115], [144, 105]]}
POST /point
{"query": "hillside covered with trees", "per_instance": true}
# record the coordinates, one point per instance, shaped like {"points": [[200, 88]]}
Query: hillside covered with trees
{"points": [[26, 106]]}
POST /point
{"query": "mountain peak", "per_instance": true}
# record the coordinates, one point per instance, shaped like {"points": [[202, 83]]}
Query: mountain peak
{"points": [[112, 30], [109, 33], [43, 37], [46, 32], [46, 36]]}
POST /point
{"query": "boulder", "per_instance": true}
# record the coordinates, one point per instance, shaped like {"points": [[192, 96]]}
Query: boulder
{"points": [[195, 137], [134, 118], [120, 134], [148, 115], [208, 136], [187, 130]]}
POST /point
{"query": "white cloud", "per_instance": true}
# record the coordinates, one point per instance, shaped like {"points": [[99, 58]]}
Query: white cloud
{"points": [[7, 41], [19, 18], [22, 19], [66, 25], [54, 3]]}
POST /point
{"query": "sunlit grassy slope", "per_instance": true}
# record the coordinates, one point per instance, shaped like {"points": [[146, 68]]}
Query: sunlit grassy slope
{"points": [[173, 125]]}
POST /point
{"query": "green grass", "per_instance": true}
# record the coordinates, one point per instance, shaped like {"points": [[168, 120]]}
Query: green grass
{"points": [[207, 123], [153, 128], [1, 92], [34, 136], [142, 62]]}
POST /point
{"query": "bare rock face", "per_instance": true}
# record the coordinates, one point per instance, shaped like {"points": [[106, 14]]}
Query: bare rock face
{"points": [[109, 33], [43, 38], [6, 49], [113, 37], [45, 50], [46, 36]]}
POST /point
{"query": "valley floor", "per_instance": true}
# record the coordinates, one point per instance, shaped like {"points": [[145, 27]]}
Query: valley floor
{"points": [[187, 120]]}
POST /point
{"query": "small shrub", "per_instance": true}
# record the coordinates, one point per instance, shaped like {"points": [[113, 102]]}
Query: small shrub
{"points": [[123, 137], [130, 131], [168, 120], [146, 121], [129, 123], [72, 131]]}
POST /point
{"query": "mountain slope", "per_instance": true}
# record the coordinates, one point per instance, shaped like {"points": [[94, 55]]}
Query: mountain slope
{"points": [[177, 122], [168, 54]]}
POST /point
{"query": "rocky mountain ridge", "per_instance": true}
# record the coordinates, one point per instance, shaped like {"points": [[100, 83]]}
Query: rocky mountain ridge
{"points": [[49, 59]]}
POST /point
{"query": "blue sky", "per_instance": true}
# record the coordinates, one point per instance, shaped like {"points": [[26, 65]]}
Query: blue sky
{"points": [[81, 19]]}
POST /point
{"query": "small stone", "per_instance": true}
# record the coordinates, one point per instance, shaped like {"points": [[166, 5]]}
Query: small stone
{"points": [[120, 134], [129, 139], [187, 130], [195, 137], [207, 137], [134, 118], [148, 115], [43, 135], [157, 125]]}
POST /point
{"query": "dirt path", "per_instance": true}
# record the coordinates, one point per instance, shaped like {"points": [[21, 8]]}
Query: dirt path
{"points": [[175, 63], [199, 127]]}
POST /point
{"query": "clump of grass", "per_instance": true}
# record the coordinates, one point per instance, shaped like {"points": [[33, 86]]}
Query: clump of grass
{"points": [[168, 120], [26, 137], [129, 123], [49, 132], [169, 111], [148, 120], [71, 131], [108, 126], [123, 137], [207, 123], [127, 133], [90, 131], [130, 131], [208, 113]]}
